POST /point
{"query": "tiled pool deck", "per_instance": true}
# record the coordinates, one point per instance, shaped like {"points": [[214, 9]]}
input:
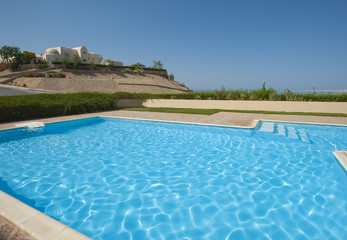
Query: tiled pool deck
{"points": [[19, 221]]}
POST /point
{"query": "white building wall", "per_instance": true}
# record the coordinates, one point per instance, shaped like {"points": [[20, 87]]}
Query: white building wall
{"points": [[58, 53]]}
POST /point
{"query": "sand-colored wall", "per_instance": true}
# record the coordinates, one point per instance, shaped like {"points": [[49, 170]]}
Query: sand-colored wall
{"points": [[285, 106]]}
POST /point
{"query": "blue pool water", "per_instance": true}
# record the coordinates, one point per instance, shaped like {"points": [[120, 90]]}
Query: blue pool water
{"points": [[129, 179]]}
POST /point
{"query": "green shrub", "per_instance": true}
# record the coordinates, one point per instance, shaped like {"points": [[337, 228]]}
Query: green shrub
{"points": [[42, 65], [3, 67], [290, 96], [325, 97], [231, 95], [65, 62], [253, 96], [76, 62], [25, 107], [92, 66], [220, 94], [138, 70], [261, 94], [56, 75], [274, 96], [28, 75]]}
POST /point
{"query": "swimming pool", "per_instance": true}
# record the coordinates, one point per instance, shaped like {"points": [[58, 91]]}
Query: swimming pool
{"points": [[117, 178]]}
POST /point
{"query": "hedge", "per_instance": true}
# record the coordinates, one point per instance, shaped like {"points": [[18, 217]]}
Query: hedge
{"points": [[268, 95], [25, 107], [325, 97]]}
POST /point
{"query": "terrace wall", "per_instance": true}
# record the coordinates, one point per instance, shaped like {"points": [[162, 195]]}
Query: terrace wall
{"points": [[280, 106]]}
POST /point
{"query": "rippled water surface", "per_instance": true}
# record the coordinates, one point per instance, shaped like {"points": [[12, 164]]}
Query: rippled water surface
{"points": [[128, 179]]}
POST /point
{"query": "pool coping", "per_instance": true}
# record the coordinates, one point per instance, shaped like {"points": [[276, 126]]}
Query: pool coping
{"points": [[342, 157], [41, 226], [35, 223]]}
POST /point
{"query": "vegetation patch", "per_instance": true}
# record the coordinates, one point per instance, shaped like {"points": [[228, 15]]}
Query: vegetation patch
{"points": [[32, 75], [3, 67], [56, 75], [79, 65], [255, 95], [42, 65], [25, 107]]}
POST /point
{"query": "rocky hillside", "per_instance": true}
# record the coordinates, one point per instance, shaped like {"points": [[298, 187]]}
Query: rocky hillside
{"points": [[98, 81]]}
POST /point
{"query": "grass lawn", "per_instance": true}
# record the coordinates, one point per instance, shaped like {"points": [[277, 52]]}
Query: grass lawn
{"points": [[213, 111]]}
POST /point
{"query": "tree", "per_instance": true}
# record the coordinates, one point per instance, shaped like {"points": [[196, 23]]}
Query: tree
{"points": [[109, 64], [7, 52], [92, 65], [264, 88], [65, 62], [11, 56], [28, 57], [157, 64], [76, 62]]}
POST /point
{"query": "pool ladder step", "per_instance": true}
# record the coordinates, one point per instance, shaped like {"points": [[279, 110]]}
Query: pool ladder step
{"points": [[267, 127], [303, 136], [282, 130]]}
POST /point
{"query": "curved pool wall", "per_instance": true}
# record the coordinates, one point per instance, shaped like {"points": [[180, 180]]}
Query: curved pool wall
{"points": [[118, 178]]}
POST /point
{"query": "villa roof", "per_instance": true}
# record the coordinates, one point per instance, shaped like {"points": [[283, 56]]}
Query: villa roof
{"points": [[138, 65]]}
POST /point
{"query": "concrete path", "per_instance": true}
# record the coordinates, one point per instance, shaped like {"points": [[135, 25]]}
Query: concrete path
{"points": [[6, 90], [221, 118]]}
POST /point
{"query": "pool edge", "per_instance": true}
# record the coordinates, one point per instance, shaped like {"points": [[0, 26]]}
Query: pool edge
{"points": [[250, 126], [342, 157], [35, 223]]}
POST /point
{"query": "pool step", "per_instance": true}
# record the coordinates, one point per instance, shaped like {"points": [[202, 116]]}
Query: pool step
{"points": [[303, 135], [267, 127], [292, 133], [283, 130]]}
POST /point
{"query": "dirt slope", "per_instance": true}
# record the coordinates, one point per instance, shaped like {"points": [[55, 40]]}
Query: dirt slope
{"points": [[99, 81]]}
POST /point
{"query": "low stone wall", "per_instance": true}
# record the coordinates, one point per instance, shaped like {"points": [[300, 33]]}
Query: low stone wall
{"points": [[279, 106], [156, 72]]}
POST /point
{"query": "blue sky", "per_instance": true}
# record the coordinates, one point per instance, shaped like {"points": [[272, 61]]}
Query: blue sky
{"points": [[294, 44]]}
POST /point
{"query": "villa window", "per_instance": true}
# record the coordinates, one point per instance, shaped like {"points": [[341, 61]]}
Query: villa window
{"points": [[66, 55], [84, 60], [84, 52]]}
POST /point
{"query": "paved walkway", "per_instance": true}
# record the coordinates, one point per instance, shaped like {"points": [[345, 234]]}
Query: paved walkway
{"points": [[6, 90], [221, 118]]}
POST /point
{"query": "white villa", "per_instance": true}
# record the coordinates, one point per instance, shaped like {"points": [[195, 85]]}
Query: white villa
{"points": [[58, 53]]}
